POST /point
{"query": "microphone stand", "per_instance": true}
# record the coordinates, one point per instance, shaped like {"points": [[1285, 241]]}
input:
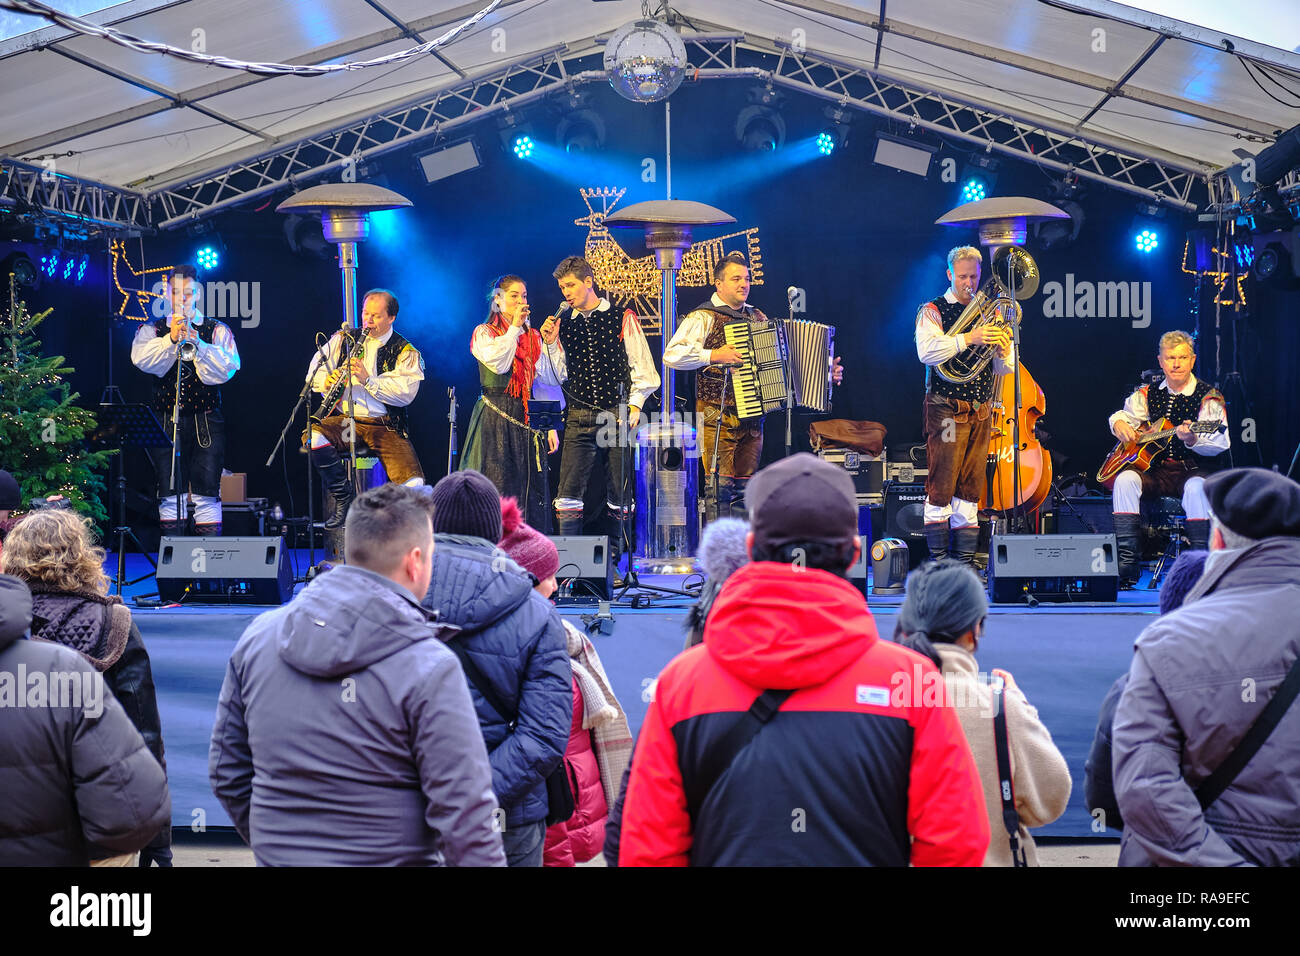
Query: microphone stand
{"points": [[311, 516], [717, 441], [451, 438], [1016, 504], [182, 514]]}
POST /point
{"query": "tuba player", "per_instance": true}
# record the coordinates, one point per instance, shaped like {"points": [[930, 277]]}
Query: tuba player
{"points": [[958, 418]]}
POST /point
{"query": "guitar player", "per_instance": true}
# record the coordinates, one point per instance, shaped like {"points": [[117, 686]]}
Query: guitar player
{"points": [[1183, 399]]}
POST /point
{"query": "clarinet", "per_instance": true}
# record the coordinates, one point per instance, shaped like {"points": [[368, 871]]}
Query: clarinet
{"points": [[334, 394]]}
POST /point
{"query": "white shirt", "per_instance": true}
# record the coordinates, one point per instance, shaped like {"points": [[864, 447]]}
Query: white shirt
{"points": [[935, 348], [686, 351], [645, 377], [497, 352], [397, 388], [216, 363], [1135, 413]]}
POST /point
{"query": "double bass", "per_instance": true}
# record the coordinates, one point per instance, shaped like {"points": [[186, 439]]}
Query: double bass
{"points": [[1035, 473]]}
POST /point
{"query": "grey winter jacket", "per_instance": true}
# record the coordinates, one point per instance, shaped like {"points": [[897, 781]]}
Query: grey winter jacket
{"points": [[73, 771], [1200, 677], [516, 638], [345, 735]]}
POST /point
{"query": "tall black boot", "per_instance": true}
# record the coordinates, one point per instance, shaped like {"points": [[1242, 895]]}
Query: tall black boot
{"points": [[936, 539], [1127, 529], [1198, 533], [965, 545], [334, 479], [738, 486], [568, 523], [710, 500]]}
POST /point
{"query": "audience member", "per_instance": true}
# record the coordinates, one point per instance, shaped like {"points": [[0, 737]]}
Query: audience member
{"points": [[53, 551], [1200, 680], [510, 639], [1098, 785], [943, 617], [11, 498], [784, 739], [722, 551], [344, 733], [77, 778], [599, 740]]}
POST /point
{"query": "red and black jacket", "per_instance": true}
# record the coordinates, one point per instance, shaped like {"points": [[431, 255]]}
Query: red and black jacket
{"points": [[858, 768]]}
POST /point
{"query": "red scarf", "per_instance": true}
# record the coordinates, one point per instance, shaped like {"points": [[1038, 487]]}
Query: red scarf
{"points": [[527, 352]]}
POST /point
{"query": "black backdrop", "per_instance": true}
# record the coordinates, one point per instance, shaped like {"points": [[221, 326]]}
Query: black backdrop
{"points": [[859, 238]]}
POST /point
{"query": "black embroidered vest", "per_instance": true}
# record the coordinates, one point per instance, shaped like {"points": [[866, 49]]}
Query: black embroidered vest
{"points": [[1162, 403], [709, 380], [596, 358], [979, 389], [385, 361], [195, 395]]}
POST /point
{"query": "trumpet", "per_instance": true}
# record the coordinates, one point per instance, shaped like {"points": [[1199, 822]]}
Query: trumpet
{"points": [[189, 348], [994, 305]]}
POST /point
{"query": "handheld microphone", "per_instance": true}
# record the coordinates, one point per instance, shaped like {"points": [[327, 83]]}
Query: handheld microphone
{"points": [[791, 293]]}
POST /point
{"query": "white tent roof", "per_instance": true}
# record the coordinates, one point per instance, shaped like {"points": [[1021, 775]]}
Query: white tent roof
{"points": [[1143, 89]]}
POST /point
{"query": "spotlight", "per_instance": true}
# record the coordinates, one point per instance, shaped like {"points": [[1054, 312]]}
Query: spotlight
{"points": [[449, 161], [50, 263], [207, 257], [81, 267], [1149, 226], [1244, 254], [1146, 240], [522, 146], [1276, 258], [974, 190], [835, 135], [1066, 195], [759, 127], [517, 138], [68, 265], [581, 131], [23, 269], [903, 153]]}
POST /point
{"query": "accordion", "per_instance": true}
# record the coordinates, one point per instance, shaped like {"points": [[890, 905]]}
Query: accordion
{"points": [[762, 384]]}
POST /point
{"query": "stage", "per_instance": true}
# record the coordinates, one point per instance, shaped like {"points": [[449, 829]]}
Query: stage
{"points": [[1064, 657]]}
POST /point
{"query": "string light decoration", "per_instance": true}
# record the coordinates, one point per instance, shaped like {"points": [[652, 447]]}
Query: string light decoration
{"points": [[637, 283], [1221, 295], [140, 297]]}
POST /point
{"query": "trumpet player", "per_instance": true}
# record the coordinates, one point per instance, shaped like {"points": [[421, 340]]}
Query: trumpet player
{"points": [[386, 371], [958, 418], [205, 349]]}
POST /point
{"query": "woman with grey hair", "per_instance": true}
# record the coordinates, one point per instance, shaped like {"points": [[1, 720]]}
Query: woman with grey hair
{"points": [[943, 618]]}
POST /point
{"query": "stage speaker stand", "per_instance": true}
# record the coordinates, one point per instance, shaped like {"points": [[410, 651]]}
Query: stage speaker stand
{"points": [[224, 570], [585, 568], [1029, 568], [905, 517]]}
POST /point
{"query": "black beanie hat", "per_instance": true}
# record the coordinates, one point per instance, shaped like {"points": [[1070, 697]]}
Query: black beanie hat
{"points": [[1255, 502], [466, 503]]}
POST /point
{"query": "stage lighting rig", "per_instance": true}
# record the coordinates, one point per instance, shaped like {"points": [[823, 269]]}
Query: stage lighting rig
{"points": [[836, 134], [1149, 227], [1066, 195], [904, 153], [978, 177], [20, 265], [759, 126], [581, 131]]}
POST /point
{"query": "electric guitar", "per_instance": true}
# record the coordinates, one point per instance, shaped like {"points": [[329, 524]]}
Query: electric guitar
{"points": [[1150, 442]]}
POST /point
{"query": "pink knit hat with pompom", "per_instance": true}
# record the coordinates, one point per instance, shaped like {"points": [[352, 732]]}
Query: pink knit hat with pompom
{"points": [[530, 549]]}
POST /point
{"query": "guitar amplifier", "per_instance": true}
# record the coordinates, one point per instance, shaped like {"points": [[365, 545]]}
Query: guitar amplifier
{"points": [[905, 518]]}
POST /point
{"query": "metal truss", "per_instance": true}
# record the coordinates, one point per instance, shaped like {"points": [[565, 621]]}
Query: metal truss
{"points": [[94, 206], [439, 115]]}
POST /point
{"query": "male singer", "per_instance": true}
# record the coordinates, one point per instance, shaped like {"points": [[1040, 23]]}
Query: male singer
{"points": [[386, 373], [201, 436]]}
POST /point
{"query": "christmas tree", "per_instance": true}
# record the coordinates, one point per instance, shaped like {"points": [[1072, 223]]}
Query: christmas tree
{"points": [[42, 431]]}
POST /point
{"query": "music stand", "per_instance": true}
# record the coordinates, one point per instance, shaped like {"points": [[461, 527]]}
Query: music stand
{"points": [[123, 426], [543, 416]]}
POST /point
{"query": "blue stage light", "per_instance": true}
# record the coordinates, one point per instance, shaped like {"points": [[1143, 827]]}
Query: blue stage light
{"points": [[523, 146], [81, 268], [68, 267], [207, 258], [974, 190], [1146, 240], [825, 143], [1244, 252], [50, 263]]}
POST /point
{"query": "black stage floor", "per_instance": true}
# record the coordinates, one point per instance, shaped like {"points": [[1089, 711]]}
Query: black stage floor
{"points": [[1064, 657]]}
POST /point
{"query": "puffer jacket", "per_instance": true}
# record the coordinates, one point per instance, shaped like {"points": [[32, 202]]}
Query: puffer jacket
{"points": [[100, 627], [73, 771], [581, 837], [855, 769], [344, 735], [516, 638], [1200, 678]]}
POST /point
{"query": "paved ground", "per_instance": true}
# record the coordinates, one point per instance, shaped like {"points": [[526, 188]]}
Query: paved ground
{"points": [[1087, 854]]}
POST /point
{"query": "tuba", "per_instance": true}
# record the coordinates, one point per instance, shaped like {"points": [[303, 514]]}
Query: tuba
{"points": [[994, 304]]}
